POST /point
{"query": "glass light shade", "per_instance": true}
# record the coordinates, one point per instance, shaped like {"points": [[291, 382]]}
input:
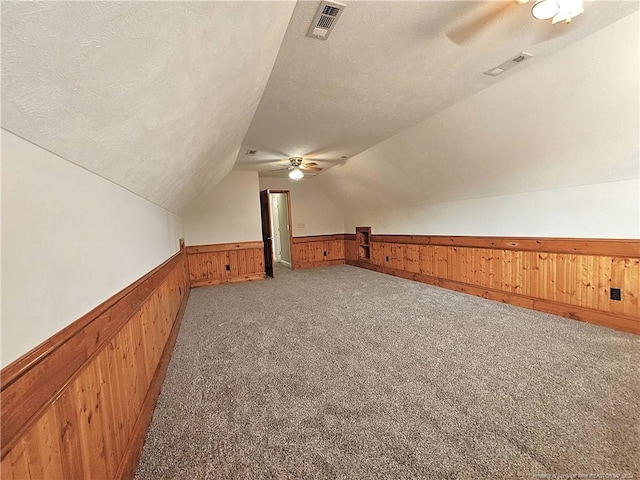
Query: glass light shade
{"points": [[545, 9], [296, 174], [568, 10]]}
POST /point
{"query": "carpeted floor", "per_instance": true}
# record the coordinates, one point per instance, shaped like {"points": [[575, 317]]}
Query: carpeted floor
{"points": [[341, 372]]}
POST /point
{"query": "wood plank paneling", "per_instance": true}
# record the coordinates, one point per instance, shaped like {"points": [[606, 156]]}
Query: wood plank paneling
{"points": [[568, 280], [585, 246], [225, 263], [64, 418], [617, 322], [333, 250], [351, 249], [318, 251]]}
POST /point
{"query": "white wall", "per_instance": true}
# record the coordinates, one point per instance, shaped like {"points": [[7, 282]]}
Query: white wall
{"points": [[70, 240], [565, 128], [229, 213], [588, 211], [312, 212]]}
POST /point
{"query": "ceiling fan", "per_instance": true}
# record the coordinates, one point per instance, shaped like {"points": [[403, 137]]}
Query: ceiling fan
{"points": [[491, 13], [298, 166]]}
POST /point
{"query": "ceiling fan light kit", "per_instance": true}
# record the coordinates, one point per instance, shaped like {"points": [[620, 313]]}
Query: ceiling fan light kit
{"points": [[296, 174], [299, 168], [557, 10], [545, 9]]}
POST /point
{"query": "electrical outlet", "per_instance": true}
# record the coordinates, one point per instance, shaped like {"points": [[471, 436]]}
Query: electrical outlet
{"points": [[386, 259], [227, 267], [615, 294], [324, 254]]}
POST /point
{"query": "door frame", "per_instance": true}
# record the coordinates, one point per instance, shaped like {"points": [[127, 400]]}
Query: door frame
{"points": [[288, 193], [265, 220]]}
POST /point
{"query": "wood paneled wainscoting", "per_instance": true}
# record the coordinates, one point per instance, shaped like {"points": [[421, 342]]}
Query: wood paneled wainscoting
{"points": [[568, 277], [317, 251], [225, 263], [79, 405]]}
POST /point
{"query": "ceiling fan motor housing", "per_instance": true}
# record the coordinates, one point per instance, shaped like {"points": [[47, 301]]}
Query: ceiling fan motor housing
{"points": [[296, 161]]}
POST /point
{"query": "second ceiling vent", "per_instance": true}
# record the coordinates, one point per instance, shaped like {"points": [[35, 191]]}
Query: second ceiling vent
{"points": [[325, 19]]}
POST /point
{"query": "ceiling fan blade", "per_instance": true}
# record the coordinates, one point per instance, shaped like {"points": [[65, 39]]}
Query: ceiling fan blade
{"points": [[277, 162], [307, 168], [330, 159], [310, 163], [468, 30]]}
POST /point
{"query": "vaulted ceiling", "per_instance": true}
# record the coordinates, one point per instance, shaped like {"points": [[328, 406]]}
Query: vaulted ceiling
{"points": [[390, 65], [154, 96], [570, 120], [165, 98]]}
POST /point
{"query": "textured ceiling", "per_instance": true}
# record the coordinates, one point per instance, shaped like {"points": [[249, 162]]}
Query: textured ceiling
{"points": [[158, 96], [390, 65], [154, 96], [567, 121]]}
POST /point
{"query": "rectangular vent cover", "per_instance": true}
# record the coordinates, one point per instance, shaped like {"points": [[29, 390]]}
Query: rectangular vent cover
{"points": [[331, 11], [325, 19], [503, 67], [325, 22]]}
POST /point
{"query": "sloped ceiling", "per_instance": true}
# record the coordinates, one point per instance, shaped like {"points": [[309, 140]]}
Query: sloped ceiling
{"points": [[570, 120], [154, 96], [390, 65], [163, 97]]}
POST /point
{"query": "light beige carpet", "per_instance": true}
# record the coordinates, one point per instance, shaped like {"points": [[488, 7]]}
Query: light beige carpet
{"points": [[341, 372]]}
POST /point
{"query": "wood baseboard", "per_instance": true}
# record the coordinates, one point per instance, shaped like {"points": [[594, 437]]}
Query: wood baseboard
{"points": [[237, 279], [131, 457], [321, 263], [605, 319]]}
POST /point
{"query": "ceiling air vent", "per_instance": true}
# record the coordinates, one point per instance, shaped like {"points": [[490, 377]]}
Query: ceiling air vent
{"points": [[326, 17], [503, 67]]}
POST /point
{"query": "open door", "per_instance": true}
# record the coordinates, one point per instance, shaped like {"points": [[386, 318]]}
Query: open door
{"points": [[265, 215]]}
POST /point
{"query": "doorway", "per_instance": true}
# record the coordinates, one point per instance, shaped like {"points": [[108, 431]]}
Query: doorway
{"points": [[280, 228], [276, 229]]}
